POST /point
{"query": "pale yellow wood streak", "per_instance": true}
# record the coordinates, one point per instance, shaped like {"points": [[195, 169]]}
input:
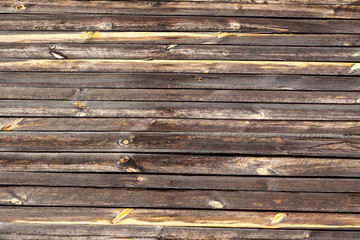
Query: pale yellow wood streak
{"points": [[196, 218], [96, 36], [190, 66], [11, 125]]}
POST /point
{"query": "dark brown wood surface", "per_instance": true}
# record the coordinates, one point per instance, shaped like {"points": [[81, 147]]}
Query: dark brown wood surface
{"points": [[207, 119], [195, 52], [329, 9], [179, 164], [181, 81], [98, 22]]}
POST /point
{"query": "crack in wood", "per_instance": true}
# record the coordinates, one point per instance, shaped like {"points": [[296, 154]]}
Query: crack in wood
{"points": [[11, 125]]}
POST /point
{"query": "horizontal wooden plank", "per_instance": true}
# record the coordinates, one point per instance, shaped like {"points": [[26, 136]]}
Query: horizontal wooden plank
{"points": [[310, 2], [184, 81], [188, 199], [102, 232], [178, 164], [181, 182], [178, 95], [62, 231], [258, 234], [178, 125], [214, 143], [181, 66], [238, 111], [185, 52], [183, 8], [52, 237], [171, 38], [96, 22], [185, 218]]}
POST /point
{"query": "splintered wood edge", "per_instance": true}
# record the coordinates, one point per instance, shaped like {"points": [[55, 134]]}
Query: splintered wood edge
{"points": [[183, 218], [35, 37], [133, 37]]}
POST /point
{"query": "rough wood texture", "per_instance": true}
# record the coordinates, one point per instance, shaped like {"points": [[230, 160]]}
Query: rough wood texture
{"points": [[181, 66], [9, 231], [196, 52], [182, 8], [180, 81], [238, 111], [189, 199], [178, 95], [178, 125], [91, 22], [178, 164], [210, 143], [183, 218], [272, 144], [181, 182], [208, 119], [171, 38]]}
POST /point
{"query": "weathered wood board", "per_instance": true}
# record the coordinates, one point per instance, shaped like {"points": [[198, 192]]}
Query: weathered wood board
{"points": [[206, 119]]}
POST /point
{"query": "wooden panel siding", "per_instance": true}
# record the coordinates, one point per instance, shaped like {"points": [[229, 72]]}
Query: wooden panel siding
{"points": [[199, 120]]}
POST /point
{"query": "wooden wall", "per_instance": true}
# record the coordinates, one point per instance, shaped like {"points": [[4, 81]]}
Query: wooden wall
{"points": [[207, 119]]}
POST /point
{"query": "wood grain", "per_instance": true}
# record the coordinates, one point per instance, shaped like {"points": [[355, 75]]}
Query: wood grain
{"points": [[184, 199], [179, 81], [235, 111], [330, 185], [178, 95], [9, 231], [208, 119], [171, 38], [195, 52], [209, 143], [299, 10], [178, 125], [96, 22], [185, 218], [181, 66], [178, 164]]}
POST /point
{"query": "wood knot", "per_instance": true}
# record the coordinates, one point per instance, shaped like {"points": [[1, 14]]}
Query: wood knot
{"points": [[20, 7], [123, 160], [124, 142], [80, 105], [140, 179], [198, 78]]}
